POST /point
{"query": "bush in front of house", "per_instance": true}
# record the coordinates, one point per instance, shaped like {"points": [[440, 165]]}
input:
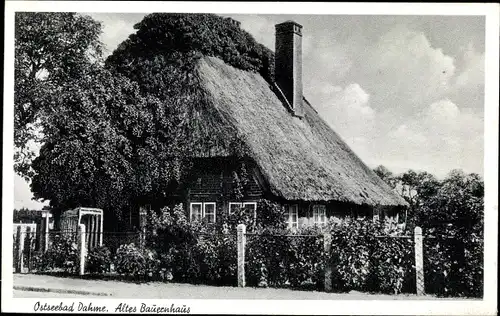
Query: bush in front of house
{"points": [[278, 257], [365, 256], [99, 260], [193, 252], [134, 262], [62, 255]]}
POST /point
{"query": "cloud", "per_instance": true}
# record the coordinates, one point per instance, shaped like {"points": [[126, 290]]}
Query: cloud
{"points": [[348, 112], [468, 85], [444, 137], [402, 71]]}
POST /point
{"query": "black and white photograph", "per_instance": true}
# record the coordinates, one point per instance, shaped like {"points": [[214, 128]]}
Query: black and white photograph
{"points": [[250, 158]]}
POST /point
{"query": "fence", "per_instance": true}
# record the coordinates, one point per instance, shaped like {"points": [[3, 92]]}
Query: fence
{"points": [[68, 247], [251, 259], [280, 266]]}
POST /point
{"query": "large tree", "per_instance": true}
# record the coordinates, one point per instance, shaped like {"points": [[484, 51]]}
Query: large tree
{"points": [[51, 49], [103, 147], [121, 134]]}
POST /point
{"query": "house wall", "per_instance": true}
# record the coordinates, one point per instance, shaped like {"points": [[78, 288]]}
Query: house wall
{"points": [[339, 210], [334, 210], [212, 180]]}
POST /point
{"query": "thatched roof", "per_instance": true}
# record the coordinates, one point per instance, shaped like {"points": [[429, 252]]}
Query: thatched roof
{"points": [[301, 159]]}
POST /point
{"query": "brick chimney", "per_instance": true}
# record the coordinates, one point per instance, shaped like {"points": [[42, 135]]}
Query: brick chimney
{"points": [[288, 64], [234, 22]]}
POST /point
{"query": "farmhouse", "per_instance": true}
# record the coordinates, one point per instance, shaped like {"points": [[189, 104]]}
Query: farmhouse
{"points": [[282, 149]]}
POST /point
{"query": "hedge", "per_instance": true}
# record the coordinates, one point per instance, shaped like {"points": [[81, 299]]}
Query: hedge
{"points": [[364, 256]]}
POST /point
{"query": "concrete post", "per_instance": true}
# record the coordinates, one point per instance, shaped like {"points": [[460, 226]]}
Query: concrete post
{"points": [[20, 250], [327, 246], [101, 231], [17, 255], [241, 231], [47, 217], [142, 225], [81, 248], [419, 261], [90, 232]]}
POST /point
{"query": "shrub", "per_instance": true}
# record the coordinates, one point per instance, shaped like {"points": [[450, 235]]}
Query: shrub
{"points": [[365, 257], [277, 257], [193, 252], [61, 255], [98, 260], [135, 262], [216, 256]]}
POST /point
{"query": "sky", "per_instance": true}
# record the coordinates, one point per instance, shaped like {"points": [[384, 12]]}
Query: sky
{"points": [[406, 92]]}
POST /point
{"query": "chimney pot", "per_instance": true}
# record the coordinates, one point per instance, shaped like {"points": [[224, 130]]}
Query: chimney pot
{"points": [[288, 64]]}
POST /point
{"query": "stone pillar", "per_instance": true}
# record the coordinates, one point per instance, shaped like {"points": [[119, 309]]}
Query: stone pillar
{"points": [[20, 250], [101, 232], [419, 261], [327, 246], [93, 236], [18, 254], [241, 231], [142, 225], [46, 223], [81, 249]]}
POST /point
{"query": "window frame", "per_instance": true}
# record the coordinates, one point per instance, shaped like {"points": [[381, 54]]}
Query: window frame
{"points": [[243, 204], [231, 204], [203, 207], [316, 209], [191, 210], [215, 210], [293, 208]]}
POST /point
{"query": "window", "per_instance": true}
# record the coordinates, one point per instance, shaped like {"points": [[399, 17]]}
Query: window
{"points": [[201, 211], [249, 207], [196, 211], [293, 216], [319, 214], [376, 215], [209, 212]]}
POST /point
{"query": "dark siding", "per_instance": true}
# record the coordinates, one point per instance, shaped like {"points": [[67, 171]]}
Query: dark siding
{"points": [[212, 181]]}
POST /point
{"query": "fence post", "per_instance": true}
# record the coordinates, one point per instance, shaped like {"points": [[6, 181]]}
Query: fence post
{"points": [[327, 246], [419, 262], [241, 231], [20, 250], [46, 223], [18, 253], [81, 248]]}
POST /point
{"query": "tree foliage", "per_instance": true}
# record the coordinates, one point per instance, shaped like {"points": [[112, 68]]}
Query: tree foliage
{"points": [[451, 213], [122, 134], [105, 146], [175, 40], [50, 49]]}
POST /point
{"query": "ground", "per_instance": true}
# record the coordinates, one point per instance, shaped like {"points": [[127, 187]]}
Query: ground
{"points": [[30, 285]]}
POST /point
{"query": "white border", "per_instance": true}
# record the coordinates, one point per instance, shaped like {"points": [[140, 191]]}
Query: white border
{"points": [[485, 307]]}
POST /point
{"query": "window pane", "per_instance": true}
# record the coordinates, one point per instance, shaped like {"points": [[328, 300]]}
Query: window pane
{"points": [[250, 209], [195, 211], [293, 216], [210, 212], [233, 207], [319, 214]]}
